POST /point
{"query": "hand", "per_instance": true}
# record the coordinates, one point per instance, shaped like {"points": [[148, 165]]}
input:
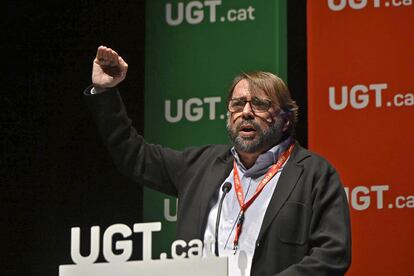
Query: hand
{"points": [[109, 69]]}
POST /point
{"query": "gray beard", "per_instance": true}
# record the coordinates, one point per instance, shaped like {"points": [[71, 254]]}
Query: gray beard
{"points": [[266, 139]]}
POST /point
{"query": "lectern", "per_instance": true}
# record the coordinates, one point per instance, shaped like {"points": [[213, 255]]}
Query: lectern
{"points": [[168, 267]]}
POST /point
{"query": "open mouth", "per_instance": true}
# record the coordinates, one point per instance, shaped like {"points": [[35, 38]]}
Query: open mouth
{"points": [[247, 130]]}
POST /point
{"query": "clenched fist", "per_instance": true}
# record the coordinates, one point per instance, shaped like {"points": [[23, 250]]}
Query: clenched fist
{"points": [[109, 69]]}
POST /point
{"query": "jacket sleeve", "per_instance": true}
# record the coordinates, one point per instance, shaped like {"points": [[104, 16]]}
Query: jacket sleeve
{"points": [[151, 165], [329, 230]]}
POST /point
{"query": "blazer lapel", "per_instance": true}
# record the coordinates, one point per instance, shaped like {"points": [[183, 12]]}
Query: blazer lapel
{"points": [[219, 172], [287, 181]]}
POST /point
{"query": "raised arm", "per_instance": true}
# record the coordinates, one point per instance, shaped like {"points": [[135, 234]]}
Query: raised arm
{"points": [[151, 165]]}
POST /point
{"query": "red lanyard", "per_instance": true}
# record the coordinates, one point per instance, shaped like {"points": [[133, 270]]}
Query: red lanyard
{"points": [[240, 194]]}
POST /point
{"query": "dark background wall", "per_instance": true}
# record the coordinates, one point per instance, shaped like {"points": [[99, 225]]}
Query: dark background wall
{"points": [[55, 172]]}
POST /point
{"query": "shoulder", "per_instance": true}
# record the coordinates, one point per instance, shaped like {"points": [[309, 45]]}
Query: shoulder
{"points": [[208, 152], [311, 161]]}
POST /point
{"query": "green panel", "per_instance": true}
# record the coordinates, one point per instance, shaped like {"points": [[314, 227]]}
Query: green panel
{"points": [[193, 62]]}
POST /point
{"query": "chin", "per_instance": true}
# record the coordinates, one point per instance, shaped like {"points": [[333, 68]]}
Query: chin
{"points": [[248, 144]]}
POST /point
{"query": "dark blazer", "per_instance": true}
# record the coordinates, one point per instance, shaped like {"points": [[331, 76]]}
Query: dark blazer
{"points": [[306, 228]]}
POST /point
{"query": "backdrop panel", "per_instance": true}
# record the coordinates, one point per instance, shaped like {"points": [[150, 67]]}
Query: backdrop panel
{"points": [[360, 64], [193, 51]]}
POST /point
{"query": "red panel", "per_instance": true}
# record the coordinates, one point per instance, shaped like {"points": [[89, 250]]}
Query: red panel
{"points": [[364, 51]]}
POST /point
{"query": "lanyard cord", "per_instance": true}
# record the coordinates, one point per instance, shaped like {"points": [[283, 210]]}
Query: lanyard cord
{"points": [[240, 194]]}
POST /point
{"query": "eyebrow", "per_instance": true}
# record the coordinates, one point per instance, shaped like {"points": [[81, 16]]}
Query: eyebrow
{"points": [[255, 97]]}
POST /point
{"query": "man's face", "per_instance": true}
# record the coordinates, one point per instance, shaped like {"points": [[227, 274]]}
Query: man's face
{"points": [[254, 131]]}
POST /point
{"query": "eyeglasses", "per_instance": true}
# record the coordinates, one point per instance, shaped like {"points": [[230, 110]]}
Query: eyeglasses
{"points": [[256, 104]]}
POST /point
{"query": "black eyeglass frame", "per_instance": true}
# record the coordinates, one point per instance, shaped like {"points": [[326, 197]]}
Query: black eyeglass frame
{"points": [[267, 104]]}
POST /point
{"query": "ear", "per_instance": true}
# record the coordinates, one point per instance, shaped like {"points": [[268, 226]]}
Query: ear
{"points": [[286, 124]]}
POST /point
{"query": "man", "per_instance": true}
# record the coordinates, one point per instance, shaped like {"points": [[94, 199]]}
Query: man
{"points": [[287, 212]]}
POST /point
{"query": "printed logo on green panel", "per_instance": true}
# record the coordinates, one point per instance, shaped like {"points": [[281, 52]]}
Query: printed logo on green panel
{"points": [[192, 109], [210, 11]]}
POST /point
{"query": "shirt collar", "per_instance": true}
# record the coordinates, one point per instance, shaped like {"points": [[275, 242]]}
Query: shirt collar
{"points": [[264, 161]]}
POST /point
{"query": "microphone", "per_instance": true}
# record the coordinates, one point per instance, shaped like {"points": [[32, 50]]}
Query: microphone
{"points": [[226, 188]]}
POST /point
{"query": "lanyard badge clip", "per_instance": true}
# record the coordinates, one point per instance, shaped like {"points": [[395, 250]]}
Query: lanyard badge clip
{"points": [[240, 221]]}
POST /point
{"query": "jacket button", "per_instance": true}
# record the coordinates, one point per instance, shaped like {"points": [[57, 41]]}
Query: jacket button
{"points": [[257, 244]]}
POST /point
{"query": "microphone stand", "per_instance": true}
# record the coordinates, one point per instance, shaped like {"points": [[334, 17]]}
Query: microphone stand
{"points": [[226, 188]]}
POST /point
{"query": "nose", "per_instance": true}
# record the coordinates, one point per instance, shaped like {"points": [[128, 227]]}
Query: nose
{"points": [[247, 111]]}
